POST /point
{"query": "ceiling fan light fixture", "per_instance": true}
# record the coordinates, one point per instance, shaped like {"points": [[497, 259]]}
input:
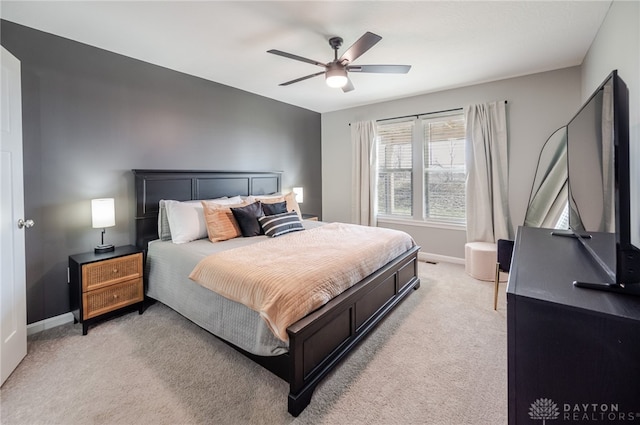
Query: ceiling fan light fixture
{"points": [[336, 72], [336, 77]]}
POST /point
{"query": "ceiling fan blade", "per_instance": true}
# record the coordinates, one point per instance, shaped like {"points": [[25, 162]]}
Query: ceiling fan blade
{"points": [[349, 86], [364, 43], [382, 69], [295, 57], [302, 78]]}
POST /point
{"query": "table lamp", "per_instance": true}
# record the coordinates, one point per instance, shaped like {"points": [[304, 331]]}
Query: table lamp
{"points": [[103, 215]]}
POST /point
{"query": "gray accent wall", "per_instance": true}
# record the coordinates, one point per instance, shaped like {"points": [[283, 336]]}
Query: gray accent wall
{"points": [[90, 116]]}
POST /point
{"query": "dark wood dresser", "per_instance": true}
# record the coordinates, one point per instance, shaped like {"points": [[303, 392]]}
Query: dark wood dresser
{"points": [[573, 353]]}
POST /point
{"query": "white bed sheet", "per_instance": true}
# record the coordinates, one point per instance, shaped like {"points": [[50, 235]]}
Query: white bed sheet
{"points": [[168, 267]]}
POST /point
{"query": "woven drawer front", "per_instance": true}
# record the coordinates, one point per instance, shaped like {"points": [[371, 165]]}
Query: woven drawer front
{"points": [[112, 297], [108, 272]]}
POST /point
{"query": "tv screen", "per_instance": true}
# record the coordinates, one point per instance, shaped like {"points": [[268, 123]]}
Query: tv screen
{"points": [[599, 181]]}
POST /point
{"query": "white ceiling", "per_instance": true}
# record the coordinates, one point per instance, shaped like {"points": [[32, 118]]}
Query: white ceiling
{"points": [[448, 43]]}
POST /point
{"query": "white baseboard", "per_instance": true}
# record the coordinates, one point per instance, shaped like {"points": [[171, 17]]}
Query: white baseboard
{"points": [[49, 323], [436, 258]]}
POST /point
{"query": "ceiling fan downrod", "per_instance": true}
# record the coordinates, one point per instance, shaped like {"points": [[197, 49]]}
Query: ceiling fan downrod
{"points": [[335, 43]]}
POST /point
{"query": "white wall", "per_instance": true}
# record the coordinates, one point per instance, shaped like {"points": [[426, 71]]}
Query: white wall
{"points": [[617, 46], [538, 104]]}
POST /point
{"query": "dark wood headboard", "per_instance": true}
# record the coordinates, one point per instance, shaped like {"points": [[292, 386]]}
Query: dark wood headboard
{"points": [[183, 185]]}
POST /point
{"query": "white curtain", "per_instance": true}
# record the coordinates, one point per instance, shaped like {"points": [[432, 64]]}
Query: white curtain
{"points": [[487, 200], [363, 141]]}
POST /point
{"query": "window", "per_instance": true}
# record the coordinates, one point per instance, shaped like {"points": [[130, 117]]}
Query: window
{"points": [[395, 168], [444, 170], [421, 169]]}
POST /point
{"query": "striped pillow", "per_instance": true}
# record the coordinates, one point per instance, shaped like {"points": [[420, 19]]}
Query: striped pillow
{"points": [[280, 224]]}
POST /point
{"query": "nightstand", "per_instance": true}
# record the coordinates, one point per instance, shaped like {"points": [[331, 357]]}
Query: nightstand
{"points": [[311, 217], [104, 283]]}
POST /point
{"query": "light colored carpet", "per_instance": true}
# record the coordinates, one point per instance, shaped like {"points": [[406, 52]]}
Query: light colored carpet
{"points": [[440, 358]]}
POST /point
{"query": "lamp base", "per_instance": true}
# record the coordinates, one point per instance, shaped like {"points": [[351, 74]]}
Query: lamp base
{"points": [[104, 248]]}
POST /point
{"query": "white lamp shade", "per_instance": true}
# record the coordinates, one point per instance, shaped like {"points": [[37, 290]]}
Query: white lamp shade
{"points": [[299, 192], [103, 213]]}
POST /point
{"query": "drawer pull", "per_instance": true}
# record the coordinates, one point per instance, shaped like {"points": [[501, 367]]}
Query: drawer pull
{"points": [[115, 271]]}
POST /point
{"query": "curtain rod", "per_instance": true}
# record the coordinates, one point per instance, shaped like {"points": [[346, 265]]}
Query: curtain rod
{"points": [[426, 113], [419, 115]]}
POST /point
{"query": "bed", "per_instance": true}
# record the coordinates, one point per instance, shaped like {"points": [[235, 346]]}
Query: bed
{"points": [[314, 344]]}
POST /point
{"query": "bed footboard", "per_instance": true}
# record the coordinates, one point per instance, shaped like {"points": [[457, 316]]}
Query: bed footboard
{"points": [[319, 341]]}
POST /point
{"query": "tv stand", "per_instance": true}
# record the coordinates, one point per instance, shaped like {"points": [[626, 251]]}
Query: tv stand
{"points": [[568, 233], [572, 346], [628, 262], [629, 289]]}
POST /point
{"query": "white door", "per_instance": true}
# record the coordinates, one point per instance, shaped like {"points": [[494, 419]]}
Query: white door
{"points": [[13, 307]]}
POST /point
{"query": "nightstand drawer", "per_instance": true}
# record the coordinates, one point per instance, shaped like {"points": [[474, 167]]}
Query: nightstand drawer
{"points": [[104, 273], [112, 297]]}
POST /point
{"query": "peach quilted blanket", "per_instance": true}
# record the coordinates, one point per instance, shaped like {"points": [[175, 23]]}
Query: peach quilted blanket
{"points": [[288, 277]]}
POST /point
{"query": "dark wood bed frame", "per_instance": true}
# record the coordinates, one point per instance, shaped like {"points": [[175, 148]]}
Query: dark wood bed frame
{"points": [[319, 341]]}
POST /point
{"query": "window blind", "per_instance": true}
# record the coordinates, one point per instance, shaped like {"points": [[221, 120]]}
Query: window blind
{"points": [[444, 172], [395, 168]]}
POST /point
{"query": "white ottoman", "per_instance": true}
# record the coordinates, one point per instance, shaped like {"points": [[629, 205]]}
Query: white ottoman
{"points": [[480, 260]]}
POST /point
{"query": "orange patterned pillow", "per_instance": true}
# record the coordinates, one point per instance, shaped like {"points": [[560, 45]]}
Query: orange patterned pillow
{"points": [[221, 224]]}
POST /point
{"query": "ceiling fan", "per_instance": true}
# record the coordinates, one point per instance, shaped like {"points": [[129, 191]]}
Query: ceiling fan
{"points": [[336, 71]]}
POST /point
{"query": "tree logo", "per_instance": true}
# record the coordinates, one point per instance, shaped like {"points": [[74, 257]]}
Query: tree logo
{"points": [[544, 408]]}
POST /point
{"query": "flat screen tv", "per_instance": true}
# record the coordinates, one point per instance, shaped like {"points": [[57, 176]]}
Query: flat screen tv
{"points": [[598, 158]]}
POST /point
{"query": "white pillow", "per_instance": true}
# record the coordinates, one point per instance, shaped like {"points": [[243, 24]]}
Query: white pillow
{"points": [[186, 219], [271, 196], [227, 201]]}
